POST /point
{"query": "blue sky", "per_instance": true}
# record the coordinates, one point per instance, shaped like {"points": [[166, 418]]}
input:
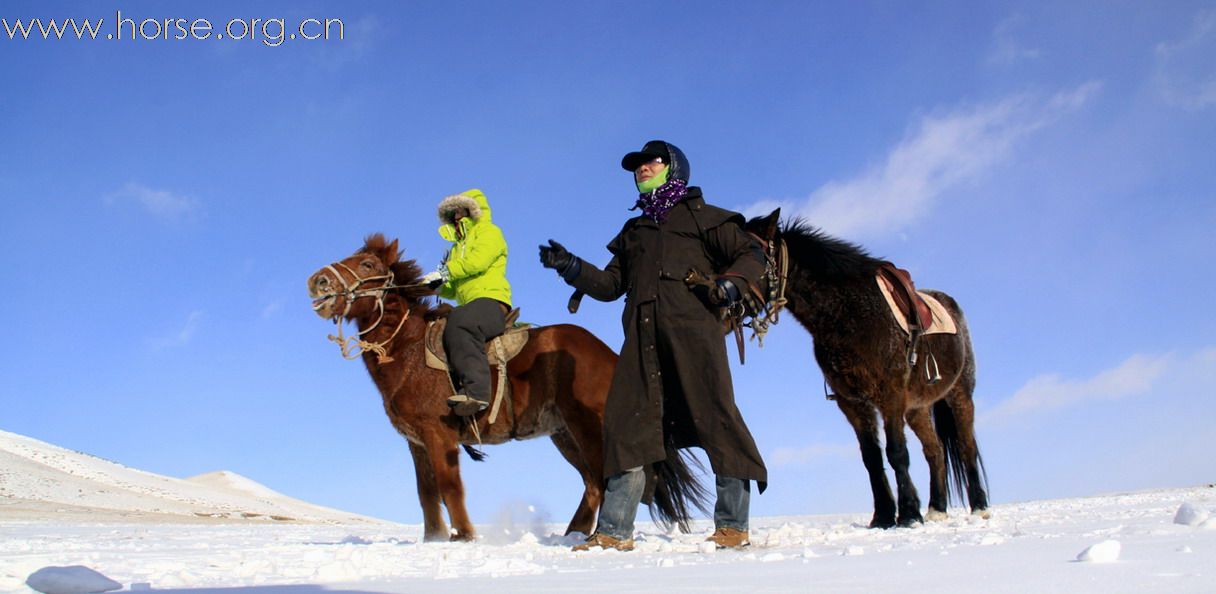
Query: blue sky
{"points": [[1050, 165]]}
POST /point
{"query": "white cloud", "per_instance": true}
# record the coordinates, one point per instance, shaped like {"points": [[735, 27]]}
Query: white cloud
{"points": [[1185, 69], [941, 153], [808, 454], [1136, 376], [162, 204], [181, 337], [1006, 48]]}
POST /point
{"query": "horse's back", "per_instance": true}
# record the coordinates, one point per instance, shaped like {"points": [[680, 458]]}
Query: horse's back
{"points": [[568, 337]]}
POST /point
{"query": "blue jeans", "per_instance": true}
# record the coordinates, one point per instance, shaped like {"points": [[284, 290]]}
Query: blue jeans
{"points": [[624, 493], [734, 499], [620, 507]]}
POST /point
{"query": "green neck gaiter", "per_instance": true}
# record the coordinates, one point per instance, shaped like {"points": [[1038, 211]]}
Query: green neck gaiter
{"points": [[651, 184]]}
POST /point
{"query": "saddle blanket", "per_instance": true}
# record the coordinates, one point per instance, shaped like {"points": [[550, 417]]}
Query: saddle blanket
{"points": [[943, 322], [498, 351]]}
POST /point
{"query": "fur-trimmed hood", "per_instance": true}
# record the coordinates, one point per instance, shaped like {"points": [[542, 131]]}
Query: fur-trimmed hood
{"points": [[472, 200]]}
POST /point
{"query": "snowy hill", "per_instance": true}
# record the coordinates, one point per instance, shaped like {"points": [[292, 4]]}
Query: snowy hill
{"points": [[41, 481]]}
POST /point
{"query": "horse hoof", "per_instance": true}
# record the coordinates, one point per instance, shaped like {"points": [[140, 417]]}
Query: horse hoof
{"points": [[911, 521], [884, 523], [936, 516], [983, 514]]}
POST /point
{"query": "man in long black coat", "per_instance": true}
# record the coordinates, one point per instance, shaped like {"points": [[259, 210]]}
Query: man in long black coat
{"points": [[672, 387]]}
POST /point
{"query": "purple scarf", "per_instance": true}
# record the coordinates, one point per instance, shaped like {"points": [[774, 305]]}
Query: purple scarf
{"points": [[656, 204]]}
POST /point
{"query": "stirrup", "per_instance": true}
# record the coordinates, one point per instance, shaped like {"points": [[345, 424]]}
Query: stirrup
{"points": [[934, 375], [466, 406]]}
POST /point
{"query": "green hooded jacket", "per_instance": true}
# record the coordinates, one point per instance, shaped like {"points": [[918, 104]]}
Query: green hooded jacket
{"points": [[476, 263]]}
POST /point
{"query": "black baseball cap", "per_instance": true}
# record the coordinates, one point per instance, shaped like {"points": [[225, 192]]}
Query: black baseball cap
{"points": [[677, 163], [655, 149]]}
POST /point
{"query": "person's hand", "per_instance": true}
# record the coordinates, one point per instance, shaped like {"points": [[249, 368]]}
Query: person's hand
{"points": [[720, 292], [725, 293], [433, 280], [555, 256]]}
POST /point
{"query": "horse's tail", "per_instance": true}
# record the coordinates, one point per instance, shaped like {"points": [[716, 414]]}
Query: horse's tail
{"points": [[946, 427], [474, 453], [677, 490]]}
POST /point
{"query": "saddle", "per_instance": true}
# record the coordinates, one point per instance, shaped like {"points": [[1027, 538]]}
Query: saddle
{"points": [[910, 308], [928, 316], [499, 351], [916, 313]]}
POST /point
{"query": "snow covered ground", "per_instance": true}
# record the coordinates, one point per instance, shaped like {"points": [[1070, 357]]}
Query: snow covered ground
{"points": [[1154, 541]]}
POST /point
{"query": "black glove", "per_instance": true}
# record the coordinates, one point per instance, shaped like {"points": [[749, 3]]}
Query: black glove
{"points": [[555, 256], [721, 293]]}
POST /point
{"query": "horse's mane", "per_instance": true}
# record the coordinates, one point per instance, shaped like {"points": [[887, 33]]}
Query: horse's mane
{"points": [[406, 274], [822, 254]]}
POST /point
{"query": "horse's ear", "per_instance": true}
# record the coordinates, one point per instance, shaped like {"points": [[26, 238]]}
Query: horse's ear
{"points": [[390, 253], [770, 223]]}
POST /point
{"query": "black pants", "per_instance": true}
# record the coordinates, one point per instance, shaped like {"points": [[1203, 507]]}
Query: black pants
{"points": [[464, 340]]}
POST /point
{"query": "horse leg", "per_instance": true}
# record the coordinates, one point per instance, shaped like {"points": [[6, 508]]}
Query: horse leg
{"points": [[445, 459], [921, 423], [897, 455], [861, 416], [433, 526], [593, 488], [960, 403]]}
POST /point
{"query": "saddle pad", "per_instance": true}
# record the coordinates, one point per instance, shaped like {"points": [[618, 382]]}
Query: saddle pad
{"points": [[943, 322], [509, 343]]}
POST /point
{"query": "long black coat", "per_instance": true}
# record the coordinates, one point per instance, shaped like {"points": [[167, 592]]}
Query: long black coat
{"points": [[672, 383]]}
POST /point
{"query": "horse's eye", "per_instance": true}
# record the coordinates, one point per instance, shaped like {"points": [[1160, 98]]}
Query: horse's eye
{"points": [[367, 264]]}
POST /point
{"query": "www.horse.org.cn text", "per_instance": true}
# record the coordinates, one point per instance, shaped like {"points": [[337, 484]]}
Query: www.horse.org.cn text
{"points": [[271, 32]]}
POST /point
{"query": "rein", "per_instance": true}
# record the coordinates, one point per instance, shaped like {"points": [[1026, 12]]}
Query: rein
{"points": [[777, 274], [352, 292]]}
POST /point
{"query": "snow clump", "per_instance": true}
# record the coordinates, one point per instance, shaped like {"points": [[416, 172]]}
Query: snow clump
{"points": [[1190, 515], [74, 579], [1106, 551]]}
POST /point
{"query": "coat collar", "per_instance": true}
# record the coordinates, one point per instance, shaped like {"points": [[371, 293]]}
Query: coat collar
{"points": [[693, 201], [693, 198]]}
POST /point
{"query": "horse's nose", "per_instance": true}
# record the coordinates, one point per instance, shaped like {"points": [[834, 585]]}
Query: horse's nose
{"points": [[319, 282]]}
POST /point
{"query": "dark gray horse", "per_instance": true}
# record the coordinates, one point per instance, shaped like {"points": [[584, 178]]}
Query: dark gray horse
{"points": [[864, 354]]}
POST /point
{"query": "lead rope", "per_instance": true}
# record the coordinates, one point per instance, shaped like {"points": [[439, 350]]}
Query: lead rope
{"points": [[362, 346]]}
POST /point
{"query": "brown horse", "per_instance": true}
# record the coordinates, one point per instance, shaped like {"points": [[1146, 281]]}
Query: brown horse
{"points": [[558, 384], [864, 355]]}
